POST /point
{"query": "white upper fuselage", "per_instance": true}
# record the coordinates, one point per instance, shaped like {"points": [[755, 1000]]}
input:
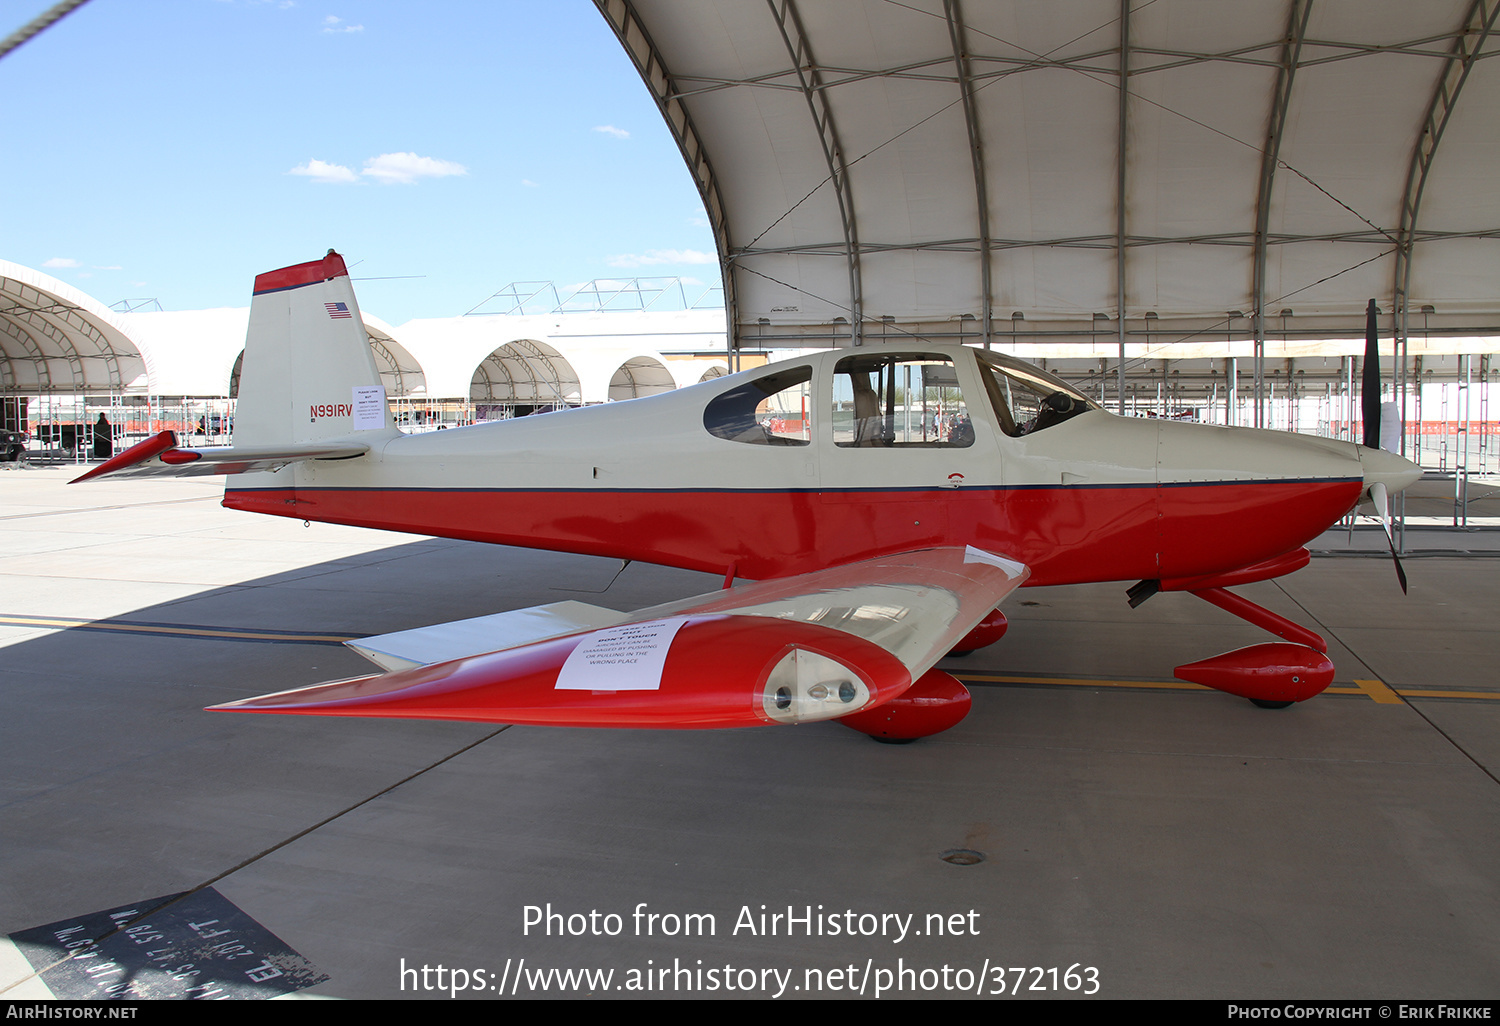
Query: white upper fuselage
{"points": [[1093, 496]]}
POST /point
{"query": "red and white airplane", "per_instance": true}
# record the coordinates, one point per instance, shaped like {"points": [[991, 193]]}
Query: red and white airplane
{"points": [[885, 499]]}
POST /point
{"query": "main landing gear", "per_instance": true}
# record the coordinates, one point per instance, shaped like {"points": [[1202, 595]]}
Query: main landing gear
{"points": [[934, 703]]}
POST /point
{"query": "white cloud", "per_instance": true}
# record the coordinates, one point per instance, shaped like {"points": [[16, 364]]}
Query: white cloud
{"points": [[56, 263], [388, 168], [653, 257], [333, 23], [618, 133], [406, 168], [529, 183], [321, 171], [699, 222]]}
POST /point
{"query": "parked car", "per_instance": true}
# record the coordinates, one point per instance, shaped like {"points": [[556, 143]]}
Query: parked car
{"points": [[12, 444]]}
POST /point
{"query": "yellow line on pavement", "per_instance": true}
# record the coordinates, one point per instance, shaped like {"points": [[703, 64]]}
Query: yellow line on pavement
{"points": [[1378, 691], [1410, 693], [1085, 682], [1375, 690], [126, 627]]}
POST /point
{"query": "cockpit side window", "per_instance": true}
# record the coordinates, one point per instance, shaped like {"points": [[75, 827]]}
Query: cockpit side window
{"points": [[1027, 399], [773, 410], [899, 400]]}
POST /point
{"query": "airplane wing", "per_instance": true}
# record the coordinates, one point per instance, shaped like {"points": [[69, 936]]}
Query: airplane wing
{"points": [[160, 456], [818, 646]]}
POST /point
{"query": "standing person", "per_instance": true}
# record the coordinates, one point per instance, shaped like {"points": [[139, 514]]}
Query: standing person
{"points": [[104, 446]]}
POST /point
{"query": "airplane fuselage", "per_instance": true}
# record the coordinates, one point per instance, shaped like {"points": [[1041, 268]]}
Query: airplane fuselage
{"points": [[1094, 497]]}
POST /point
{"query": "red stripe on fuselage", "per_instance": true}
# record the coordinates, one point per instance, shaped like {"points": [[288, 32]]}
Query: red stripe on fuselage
{"points": [[1067, 535]]}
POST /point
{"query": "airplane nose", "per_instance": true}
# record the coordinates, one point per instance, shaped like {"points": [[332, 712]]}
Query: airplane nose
{"points": [[1381, 467]]}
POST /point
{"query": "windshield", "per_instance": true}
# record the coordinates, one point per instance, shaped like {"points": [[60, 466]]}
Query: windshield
{"points": [[1027, 399]]}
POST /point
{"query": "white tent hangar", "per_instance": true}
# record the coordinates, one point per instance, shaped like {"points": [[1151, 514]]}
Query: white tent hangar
{"points": [[1106, 171], [56, 339], [1135, 182]]}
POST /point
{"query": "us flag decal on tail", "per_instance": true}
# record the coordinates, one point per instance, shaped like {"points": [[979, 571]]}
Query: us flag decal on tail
{"points": [[338, 311]]}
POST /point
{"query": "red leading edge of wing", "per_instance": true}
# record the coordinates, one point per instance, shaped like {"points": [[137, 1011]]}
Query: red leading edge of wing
{"points": [[716, 674], [330, 266]]}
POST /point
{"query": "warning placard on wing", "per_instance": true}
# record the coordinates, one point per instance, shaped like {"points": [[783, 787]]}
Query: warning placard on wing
{"points": [[626, 658]]}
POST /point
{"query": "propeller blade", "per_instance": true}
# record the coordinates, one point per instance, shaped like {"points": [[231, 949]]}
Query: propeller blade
{"points": [[1382, 499], [1370, 380]]}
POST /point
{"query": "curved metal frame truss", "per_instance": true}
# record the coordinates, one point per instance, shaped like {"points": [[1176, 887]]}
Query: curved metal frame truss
{"points": [[811, 79], [959, 38], [1467, 43], [26, 305], [629, 369], [628, 28], [1286, 72], [384, 352], [28, 342], [1095, 62], [970, 71], [31, 315], [531, 355]]}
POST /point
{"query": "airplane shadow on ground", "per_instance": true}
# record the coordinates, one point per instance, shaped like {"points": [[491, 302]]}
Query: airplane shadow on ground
{"points": [[1186, 843]]}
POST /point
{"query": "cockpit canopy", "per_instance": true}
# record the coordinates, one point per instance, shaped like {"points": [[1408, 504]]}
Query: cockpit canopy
{"points": [[889, 398]]}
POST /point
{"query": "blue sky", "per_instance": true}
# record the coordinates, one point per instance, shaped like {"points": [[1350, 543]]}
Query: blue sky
{"points": [[174, 149]]}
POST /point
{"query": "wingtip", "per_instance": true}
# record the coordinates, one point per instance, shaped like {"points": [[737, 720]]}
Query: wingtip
{"points": [[140, 452]]}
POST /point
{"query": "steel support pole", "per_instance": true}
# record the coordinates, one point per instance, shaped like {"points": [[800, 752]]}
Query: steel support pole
{"points": [[1120, 188]]}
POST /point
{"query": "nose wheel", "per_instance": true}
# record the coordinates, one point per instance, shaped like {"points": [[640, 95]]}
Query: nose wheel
{"points": [[1271, 676]]}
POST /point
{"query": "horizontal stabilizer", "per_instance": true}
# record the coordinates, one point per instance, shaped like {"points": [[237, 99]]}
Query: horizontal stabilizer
{"points": [[441, 643], [817, 646], [159, 456]]}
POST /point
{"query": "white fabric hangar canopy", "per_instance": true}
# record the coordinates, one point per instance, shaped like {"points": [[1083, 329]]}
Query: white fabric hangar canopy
{"points": [[1089, 170], [56, 339]]}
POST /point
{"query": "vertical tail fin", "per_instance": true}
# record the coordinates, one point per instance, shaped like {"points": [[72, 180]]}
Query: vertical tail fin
{"points": [[308, 373]]}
